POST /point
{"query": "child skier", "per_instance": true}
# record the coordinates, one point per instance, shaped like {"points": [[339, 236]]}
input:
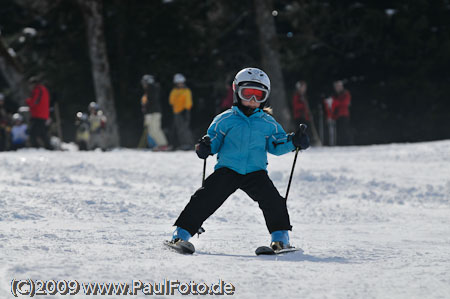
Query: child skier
{"points": [[82, 133], [241, 138], [180, 98], [19, 133], [97, 126]]}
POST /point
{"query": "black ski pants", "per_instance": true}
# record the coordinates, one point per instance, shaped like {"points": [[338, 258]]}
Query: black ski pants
{"points": [[224, 182], [2, 139], [38, 130], [344, 134]]}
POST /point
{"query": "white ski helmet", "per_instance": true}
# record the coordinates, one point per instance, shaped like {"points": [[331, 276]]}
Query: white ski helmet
{"points": [[93, 106], [179, 78], [149, 79], [253, 76], [82, 116], [17, 117]]}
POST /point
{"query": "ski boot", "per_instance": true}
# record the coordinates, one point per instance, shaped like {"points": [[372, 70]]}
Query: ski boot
{"points": [[280, 240], [180, 241], [279, 245]]}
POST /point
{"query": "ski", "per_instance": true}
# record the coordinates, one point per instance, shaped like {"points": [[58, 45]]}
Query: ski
{"points": [[183, 247], [266, 250]]}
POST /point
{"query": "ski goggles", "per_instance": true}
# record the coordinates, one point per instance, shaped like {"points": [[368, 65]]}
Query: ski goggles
{"points": [[247, 93]]}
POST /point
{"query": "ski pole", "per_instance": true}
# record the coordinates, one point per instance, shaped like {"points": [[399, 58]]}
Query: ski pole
{"points": [[302, 130], [207, 140], [204, 171]]}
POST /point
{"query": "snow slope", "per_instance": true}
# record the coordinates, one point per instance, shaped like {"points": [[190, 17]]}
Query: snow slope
{"points": [[374, 222]]}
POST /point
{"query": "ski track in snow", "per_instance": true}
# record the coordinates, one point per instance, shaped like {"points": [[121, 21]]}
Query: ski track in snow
{"points": [[373, 222]]}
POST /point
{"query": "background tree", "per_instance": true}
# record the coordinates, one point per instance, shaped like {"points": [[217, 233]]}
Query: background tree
{"points": [[13, 71], [93, 17], [13, 74], [271, 60]]}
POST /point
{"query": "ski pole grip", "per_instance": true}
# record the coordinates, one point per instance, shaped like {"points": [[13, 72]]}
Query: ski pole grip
{"points": [[303, 128], [206, 139]]}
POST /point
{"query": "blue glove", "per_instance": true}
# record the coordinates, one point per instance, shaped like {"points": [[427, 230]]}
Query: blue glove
{"points": [[300, 140], [203, 147]]}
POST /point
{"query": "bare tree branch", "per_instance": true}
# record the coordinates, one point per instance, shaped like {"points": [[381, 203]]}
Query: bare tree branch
{"points": [[13, 74]]}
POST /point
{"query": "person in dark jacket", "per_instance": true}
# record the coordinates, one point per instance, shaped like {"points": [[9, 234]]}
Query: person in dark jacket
{"points": [[241, 138], [4, 122], [151, 108], [39, 104]]}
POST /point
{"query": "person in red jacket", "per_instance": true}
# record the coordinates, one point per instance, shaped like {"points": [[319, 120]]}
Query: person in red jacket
{"points": [[302, 114], [341, 113], [227, 101], [330, 121], [39, 104]]}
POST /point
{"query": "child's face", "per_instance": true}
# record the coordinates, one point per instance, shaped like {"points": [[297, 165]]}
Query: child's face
{"points": [[252, 104]]}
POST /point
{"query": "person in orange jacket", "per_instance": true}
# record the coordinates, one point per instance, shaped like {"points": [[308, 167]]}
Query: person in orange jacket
{"points": [[180, 99], [341, 113], [39, 104]]}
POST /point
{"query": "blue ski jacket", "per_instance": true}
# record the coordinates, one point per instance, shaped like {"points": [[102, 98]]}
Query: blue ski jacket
{"points": [[242, 142]]}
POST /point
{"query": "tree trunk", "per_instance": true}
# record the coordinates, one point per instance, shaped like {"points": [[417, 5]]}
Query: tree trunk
{"points": [[271, 61], [92, 12], [13, 75], [122, 46]]}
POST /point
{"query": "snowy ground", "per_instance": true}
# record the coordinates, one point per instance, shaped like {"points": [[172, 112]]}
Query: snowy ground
{"points": [[374, 222]]}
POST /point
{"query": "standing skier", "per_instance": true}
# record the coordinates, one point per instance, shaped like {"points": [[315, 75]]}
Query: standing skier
{"points": [[330, 120], [4, 123], [39, 104], [151, 108], [82, 132], [97, 127], [300, 106], [180, 99], [341, 113], [241, 138]]}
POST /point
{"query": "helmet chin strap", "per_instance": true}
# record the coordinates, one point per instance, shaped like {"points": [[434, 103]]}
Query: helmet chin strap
{"points": [[246, 110], [238, 102]]}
